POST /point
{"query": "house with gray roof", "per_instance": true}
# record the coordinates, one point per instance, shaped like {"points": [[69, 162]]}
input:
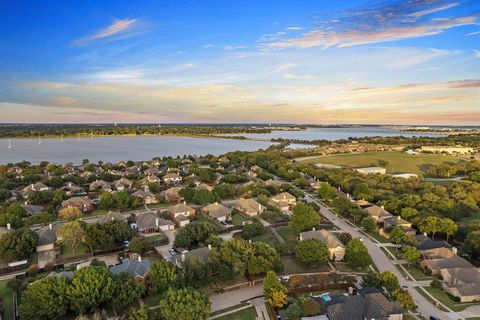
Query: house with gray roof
{"points": [[137, 268]]}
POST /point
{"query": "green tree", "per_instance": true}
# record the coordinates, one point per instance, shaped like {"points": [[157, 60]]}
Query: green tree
{"points": [[404, 298], [123, 200], [193, 234], [326, 191], [356, 254], [274, 291], [304, 218], [44, 299], [253, 229], [69, 213], [13, 215], [91, 288], [195, 273], [162, 276], [185, 304], [72, 234], [430, 224], [409, 213], [369, 224], [127, 290], [140, 313], [312, 252], [106, 201], [449, 227], [362, 191], [138, 245], [411, 254], [294, 312], [18, 244], [389, 280], [203, 197], [397, 235], [261, 258]]}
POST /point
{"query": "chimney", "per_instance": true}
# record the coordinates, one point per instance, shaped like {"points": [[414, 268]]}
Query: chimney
{"points": [[113, 218], [32, 185], [139, 258], [185, 202], [183, 257], [216, 203], [454, 250], [209, 247], [425, 234], [313, 229], [156, 222], [398, 218], [284, 196], [26, 202], [382, 207], [50, 226], [8, 226], [249, 240]]}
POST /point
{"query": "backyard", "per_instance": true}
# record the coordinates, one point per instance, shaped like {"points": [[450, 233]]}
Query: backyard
{"points": [[237, 219], [267, 237], [398, 162], [292, 266], [6, 298], [248, 313], [289, 236]]}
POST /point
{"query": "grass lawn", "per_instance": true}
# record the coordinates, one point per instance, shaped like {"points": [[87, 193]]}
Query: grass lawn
{"points": [[394, 251], [68, 252], [202, 219], [445, 299], [267, 237], [378, 237], [292, 266], [398, 162], [416, 273], [246, 314], [6, 296], [237, 219], [344, 267], [289, 236]]}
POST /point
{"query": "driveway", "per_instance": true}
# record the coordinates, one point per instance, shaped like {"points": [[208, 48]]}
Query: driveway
{"points": [[232, 298], [163, 250]]}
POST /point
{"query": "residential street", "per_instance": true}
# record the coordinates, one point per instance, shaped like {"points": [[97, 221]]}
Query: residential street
{"points": [[232, 298], [383, 263]]}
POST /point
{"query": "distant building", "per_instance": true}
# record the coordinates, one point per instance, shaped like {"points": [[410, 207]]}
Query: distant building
{"points": [[83, 204]]}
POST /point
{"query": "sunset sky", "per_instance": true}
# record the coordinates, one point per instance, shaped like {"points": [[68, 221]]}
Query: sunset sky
{"points": [[298, 61]]}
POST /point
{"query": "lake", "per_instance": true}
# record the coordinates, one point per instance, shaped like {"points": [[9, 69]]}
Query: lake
{"points": [[113, 149], [334, 134]]}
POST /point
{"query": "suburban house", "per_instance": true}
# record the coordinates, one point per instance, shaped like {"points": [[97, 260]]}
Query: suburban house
{"points": [[201, 254], [203, 186], [137, 268], [100, 185], [371, 170], [47, 248], [249, 207], [32, 209], [34, 187], [72, 190], [146, 196], [150, 222], [433, 249], [123, 184], [180, 213], [336, 249], [377, 213], [284, 201], [463, 283], [363, 204], [109, 217], [151, 179], [218, 212], [368, 306], [272, 183], [433, 266], [172, 195], [172, 178], [153, 171], [390, 223], [83, 204]]}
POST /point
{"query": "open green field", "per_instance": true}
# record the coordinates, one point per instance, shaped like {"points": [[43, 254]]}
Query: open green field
{"points": [[398, 162]]}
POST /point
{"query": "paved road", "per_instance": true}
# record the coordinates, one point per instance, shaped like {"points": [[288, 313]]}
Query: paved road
{"points": [[232, 298], [383, 263]]}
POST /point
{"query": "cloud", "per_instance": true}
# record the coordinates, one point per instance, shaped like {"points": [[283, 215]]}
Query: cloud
{"points": [[116, 29], [476, 53], [294, 28], [473, 33], [64, 101], [289, 75], [386, 21]]}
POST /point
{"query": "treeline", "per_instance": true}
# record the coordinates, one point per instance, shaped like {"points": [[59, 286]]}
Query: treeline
{"points": [[35, 130]]}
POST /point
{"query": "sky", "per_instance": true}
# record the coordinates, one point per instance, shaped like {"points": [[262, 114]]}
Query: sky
{"points": [[274, 61]]}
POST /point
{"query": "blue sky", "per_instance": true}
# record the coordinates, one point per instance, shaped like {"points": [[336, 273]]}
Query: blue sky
{"points": [[398, 62]]}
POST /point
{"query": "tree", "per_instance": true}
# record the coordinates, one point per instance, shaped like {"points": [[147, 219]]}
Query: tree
{"points": [[72, 234], [138, 245], [372, 279], [18, 244], [91, 288], [327, 192], [397, 235], [304, 218], [261, 258], [127, 290], [13, 215], [195, 273], [356, 254], [404, 298], [253, 229], [162, 276], [275, 292], [472, 243], [411, 254], [140, 313], [203, 197], [369, 224], [294, 312], [409, 213], [449, 227], [362, 191], [123, 200], [185, 304], [44, 299], [69, 213], [430, 224], [389, 280], [106, 201], [193, 234], [312, 252]]}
